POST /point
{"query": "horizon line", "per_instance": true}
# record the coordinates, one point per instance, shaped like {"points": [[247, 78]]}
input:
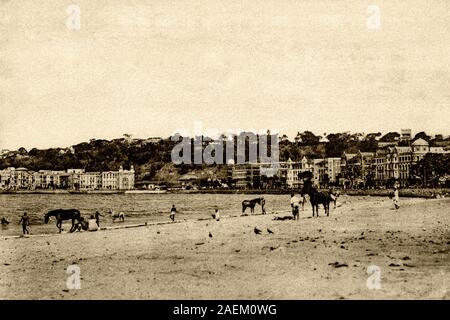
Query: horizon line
{"points": [[289, 137]]}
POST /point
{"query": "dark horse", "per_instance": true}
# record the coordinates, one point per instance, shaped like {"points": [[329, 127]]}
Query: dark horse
{"points": [[64, 214], [317, 197], [252, 203]]}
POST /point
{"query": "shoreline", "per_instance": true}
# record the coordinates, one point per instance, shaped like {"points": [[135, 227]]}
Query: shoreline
{"points": [[407, 193]]}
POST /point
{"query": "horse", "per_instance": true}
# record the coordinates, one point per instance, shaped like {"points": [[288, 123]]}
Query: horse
{"points": [[61, 215], [117, 215], [252, 203], [317, 197]]}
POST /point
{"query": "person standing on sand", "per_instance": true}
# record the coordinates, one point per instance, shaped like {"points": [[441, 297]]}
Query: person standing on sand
{"points": [[173, 211], [97, 218], [25, 220], [396, 198], [295, 205], [92, 224]]}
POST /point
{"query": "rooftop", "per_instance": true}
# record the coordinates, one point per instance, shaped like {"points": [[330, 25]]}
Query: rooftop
{"points": [[419, 142]]}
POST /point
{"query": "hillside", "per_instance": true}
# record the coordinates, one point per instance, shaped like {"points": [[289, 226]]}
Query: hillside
{"points": [[151, 157]]}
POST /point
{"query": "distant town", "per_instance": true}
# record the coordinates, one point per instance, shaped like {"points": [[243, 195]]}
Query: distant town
{"points": [[336, 160], [71, 179]]}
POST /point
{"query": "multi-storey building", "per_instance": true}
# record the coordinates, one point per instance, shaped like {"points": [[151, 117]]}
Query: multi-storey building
{"points": [[395, 162], [294, 169], [15, 178], [333, 169], [320, 172], [251, 175], [90, 181], [118, 180], [78, 179], [246, 175], [379, 166]]}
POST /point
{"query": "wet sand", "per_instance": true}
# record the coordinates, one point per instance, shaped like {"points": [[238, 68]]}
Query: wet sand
{"points": [[314, 258]]}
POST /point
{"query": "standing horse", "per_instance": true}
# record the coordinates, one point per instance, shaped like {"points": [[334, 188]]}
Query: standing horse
{"points": [[317, 197], [252, 203], [63, 214]]}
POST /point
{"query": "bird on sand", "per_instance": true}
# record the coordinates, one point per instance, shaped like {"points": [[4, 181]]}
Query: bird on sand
{"points": [[257, 231], [270, 231], [210, 235]]}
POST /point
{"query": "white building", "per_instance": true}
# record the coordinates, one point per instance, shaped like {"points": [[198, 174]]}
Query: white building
{"points": [[295, 168], [118, 180]]}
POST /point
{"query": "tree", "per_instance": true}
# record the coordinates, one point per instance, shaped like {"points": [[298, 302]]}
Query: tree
{"points": [[337, 144], [283, 138], [431, 168], [390, 137], [298, 138], [422, 135], [22, 151], [326, 180], [305, 175], [370, 143], [308, 138]]}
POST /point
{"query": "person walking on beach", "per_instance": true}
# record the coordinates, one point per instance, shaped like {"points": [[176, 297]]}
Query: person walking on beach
{"points": [[97, 218], [263, 203], [295, 205], [173, 211], [396, 198], [25, 220]]}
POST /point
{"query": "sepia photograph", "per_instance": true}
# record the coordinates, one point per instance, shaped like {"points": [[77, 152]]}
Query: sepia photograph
{"points": [[193, 150]]}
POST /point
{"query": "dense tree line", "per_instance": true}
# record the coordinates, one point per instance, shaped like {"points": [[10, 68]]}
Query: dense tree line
{"points": [[432, 170], [149, 157]]}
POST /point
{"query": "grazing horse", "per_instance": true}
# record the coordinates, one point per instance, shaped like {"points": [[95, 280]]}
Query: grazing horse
{"points": [[63, 214], [252, 203], [117, 215], [317, 197]]}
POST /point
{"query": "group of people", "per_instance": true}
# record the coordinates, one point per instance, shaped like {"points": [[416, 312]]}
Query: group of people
{"points": [[92, 224]]}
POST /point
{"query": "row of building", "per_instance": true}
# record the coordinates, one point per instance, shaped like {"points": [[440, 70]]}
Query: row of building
{"points": [[391, 162], [71, 179], [351, 169]]}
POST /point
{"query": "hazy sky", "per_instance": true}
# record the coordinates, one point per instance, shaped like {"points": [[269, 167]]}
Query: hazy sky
{"points": [[150, 67]]}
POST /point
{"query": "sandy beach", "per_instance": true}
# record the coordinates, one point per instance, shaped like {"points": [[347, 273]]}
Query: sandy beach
{"points": [[313, 258]]}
